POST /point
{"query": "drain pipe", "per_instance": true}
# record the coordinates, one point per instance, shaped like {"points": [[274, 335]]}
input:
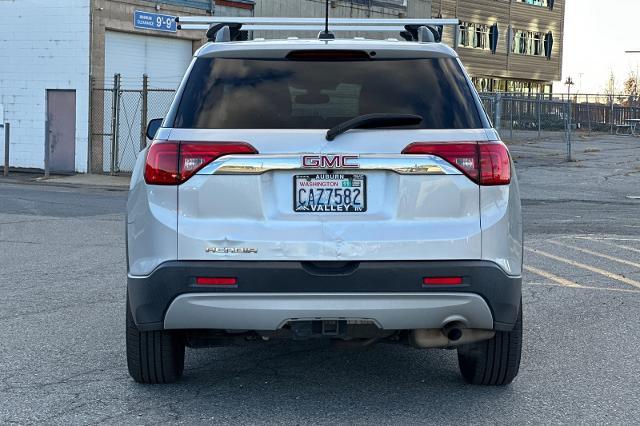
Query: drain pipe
{"points": [[7, 139]]}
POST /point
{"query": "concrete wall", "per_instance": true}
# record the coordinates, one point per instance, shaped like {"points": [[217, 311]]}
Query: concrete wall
{"points": [[43, 45]]}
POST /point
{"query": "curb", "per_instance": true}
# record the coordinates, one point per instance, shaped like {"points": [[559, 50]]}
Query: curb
{"points": [[40, 180]]}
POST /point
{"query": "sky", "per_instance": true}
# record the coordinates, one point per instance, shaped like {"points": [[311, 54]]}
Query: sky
{"points": [[597, 34]]}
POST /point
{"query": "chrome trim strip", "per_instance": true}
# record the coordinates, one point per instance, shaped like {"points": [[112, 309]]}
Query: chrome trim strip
{"points": [[271, 311], [259, 164]]}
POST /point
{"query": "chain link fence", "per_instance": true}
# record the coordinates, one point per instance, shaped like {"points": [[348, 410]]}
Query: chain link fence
{"points": [[561, 116], [119, 117]]}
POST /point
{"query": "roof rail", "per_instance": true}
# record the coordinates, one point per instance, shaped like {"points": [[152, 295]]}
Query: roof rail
{"points": [[224, 28]]}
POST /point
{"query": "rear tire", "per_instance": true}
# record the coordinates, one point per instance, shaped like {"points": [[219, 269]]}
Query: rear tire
{"points": [[153, 356], [493, 362]]}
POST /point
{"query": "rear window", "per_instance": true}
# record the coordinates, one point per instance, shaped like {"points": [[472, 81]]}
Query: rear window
{"points": [[292, 94]]}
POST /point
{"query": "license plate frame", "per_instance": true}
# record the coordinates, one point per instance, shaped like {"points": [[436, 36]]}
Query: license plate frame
{"points": [[357, 181]]}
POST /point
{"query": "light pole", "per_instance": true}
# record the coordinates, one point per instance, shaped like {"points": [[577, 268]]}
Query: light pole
{"points": [[569, 83]]}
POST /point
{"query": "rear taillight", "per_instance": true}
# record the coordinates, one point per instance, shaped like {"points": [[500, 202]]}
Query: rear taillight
{"points": [[172, 162], [495, 165], [464, 156], [486, 163], [161, 167]]}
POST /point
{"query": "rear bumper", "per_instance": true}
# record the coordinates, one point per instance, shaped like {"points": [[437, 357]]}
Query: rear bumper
{"points": [[270, 311], [272, 292]]}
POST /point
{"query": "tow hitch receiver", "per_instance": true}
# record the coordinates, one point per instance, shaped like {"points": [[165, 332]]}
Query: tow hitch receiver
{"points": [[319, 328]]}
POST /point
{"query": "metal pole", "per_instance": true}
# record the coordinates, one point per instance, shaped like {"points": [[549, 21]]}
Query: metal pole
{"points": [[116, 156], [568, 129], [143, 114], [611, 118], [589, 115], [114, 121], [539, 116], [7, 138], [47, 147], [511, 119], [92, 84], [497, 111]]}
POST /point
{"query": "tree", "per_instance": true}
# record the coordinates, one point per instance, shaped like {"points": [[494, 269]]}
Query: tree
{"points": [[631, 87]]}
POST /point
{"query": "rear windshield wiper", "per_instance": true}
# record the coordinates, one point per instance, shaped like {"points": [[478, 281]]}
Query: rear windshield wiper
{"points": [[371, 121]]}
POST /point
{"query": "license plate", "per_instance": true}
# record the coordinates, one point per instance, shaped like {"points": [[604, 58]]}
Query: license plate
{"points": [[330, 193]]}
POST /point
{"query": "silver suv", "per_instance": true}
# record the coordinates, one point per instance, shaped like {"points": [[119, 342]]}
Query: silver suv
{"points": [[347, 189]]}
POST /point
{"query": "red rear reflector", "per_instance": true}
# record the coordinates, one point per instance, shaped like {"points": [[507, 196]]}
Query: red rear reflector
{"points": [[442, 280], [485, 163], [173, 163], [216, 281]]}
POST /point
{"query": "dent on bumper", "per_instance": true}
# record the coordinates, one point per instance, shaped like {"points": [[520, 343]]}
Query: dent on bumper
{"points": [[270, 311]]}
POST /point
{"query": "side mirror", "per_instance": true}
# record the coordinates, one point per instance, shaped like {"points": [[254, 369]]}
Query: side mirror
{"points": [[152, 127]]}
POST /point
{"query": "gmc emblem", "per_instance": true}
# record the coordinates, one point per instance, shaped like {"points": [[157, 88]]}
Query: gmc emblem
{"points": [[330, 162]]}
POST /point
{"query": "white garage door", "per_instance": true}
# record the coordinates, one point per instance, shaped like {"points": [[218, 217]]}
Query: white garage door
{"points": [[164, 60]]}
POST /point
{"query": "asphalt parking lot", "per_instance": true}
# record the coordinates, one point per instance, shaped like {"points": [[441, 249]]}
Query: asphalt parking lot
{"points": [[62, 292]]}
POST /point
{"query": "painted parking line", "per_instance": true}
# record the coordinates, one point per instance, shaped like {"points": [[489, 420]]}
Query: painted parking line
{"points": [[585, 287], [607, 241], [599, 271], [637, 240], [597, 254], [548, 275]]}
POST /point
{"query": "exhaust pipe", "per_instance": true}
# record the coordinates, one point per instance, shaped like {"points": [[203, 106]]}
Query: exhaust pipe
{"points": [[452, 334], [452, 331]]}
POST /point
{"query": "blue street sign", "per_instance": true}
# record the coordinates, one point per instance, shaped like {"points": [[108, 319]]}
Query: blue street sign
{"points": [[154, 21]]}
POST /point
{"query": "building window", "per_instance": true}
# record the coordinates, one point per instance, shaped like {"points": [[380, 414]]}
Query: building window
{"points": [[544, 3], [475, 36], [537, 44], [528, 43], [520, 87]]}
